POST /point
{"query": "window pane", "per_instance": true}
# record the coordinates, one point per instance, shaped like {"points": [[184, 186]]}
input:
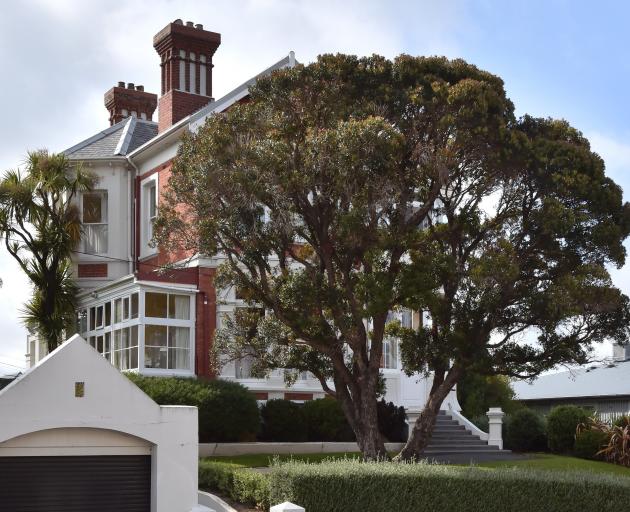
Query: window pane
{"points": [[93, 208], [125, 308], [155, 357], [133, 339], [178, 337], [108, 313], [155, 335], [108, 342], [124, 343], [118, 310], [178, 359], [95, 238], [155, 304], [179, 307], [134, 305], [92, 341], [99, 316], [92, 318], [152, 202], [99, 344]]}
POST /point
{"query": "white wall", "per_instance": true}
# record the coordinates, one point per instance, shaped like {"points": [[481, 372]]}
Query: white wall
{"points": [[44, 399]]}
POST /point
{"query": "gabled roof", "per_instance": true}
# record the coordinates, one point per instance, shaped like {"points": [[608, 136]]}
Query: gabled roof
{"points": [[116, 141], [587, 381]]}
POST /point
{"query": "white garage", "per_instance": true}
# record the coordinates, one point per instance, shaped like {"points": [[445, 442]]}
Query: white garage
{"points": [[77, 435]]}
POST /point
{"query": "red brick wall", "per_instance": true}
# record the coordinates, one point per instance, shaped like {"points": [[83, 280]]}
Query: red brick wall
{"points": [[206, 322], [175, 105], [92, 270]]}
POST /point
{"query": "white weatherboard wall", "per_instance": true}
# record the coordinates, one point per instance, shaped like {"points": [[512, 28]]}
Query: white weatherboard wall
{"points": [[40, 415]]}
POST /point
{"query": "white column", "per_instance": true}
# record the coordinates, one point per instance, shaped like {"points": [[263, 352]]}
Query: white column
{"points": [[287, 507], [495, 422], [413, 413]]}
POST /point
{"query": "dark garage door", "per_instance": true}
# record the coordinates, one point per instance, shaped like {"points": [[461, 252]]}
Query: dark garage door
{"points": [[75, 484]]}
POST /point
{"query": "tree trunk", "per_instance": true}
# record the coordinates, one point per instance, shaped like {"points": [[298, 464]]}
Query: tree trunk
{"points": [[423, 428]]}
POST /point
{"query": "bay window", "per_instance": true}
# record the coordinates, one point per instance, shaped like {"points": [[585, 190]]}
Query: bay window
{"points": [[94, 218]]}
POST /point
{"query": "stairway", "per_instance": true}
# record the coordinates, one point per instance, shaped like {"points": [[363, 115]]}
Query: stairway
{"points": [[451, 442]]}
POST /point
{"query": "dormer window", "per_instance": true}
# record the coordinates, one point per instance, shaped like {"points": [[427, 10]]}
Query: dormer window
{"points": [[94, 217]]}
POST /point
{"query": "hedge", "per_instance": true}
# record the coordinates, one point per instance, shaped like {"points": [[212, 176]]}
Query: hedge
{"points": [[283, 420], [562, 423], [236, 482], [347, 486], [525, 432], [326, 421], [588, 443], [228, 411]]}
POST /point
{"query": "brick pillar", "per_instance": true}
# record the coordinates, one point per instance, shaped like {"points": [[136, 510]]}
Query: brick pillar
{"points": [[205, 323]]}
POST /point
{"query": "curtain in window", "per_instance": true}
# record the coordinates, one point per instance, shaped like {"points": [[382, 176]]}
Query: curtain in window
{"points": [[179, 307], [179, 348]]}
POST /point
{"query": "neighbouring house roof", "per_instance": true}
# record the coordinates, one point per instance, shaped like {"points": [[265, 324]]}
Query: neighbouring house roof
{"points": [[116, 141], [587, 381]]}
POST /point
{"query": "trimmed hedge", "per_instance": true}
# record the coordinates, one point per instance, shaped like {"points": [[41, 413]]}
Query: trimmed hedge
{"points": [[228, 412], [392, 421], [283, 420], [525, 432], [562, 423], [238, 483], [347, 486], [326, 421]]}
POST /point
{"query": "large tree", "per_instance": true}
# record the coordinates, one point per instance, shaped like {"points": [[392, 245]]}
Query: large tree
{"points": [[40, 226], [513, 272], [315, 192]]}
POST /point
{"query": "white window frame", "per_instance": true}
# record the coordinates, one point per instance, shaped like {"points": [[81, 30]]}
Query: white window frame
{"points": [[101, 192], [146, 219]]}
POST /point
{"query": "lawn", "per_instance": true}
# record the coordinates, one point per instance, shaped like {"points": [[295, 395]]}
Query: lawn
{"points": [[546, 461], [540, 461]]}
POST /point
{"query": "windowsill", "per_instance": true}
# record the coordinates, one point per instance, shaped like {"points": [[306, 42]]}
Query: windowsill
{"points": [[166, 373]]}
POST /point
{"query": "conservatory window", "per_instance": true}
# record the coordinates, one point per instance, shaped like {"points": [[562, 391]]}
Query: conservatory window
{"points": [[167, 347], [94, 217]]}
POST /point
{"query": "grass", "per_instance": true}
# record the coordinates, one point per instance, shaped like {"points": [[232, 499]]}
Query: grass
{"points": [[538, 461], [549, 462], [264, 460]]}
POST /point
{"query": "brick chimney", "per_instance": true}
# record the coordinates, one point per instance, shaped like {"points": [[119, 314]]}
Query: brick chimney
{"points": [[129, 100], [186, 60]]}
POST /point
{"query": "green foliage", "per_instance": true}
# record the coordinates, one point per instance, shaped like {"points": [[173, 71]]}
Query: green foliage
{"points": [[392, 421], [228, 411], [525, 432], [326, 421], [588, 444], [384, 171], [622, 421], [283, 420], [477, 393], [242, 485], [41, 226], [562, 423], [374, 487]]}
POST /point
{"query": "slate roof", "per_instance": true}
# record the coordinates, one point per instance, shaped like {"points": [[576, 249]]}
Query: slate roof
{"points": [[116, 141], [586, 381]]}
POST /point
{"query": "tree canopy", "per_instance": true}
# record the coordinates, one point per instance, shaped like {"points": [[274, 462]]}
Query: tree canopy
{"points": [[352, 187], [40, 226]]}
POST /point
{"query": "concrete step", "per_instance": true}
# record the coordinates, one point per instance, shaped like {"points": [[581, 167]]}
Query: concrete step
{"points": [[464, 451], [442, 441], [464, 448], [449, 427]]}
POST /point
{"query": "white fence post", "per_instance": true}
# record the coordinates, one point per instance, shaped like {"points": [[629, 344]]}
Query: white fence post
{"points": [[287, 507], [495, 431]]}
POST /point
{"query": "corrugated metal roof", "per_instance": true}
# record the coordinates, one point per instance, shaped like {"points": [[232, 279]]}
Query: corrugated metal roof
{"points": [[108, 143], [585, 381]]}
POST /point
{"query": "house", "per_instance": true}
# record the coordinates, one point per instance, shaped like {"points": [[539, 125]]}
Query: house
{"points": [[163, 323], [603, 388], [77, 435]]}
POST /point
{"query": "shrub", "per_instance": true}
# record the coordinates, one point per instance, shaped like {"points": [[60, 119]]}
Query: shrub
{"points": [[622, 421], [238, 483], [228, 412], [283, 420], [326, 421], [562, 423], [525, 432], [392, 421], [588, 444], [374, 487], [617, 449]]}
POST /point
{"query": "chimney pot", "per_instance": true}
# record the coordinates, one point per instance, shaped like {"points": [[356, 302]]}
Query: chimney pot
{"points": [[123, 101], [130, 85], [140, 88], [121, 84], [199, 26], [190, 24], [178, 22]]}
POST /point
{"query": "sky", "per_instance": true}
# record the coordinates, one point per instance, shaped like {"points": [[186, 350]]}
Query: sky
{"points": [[558, 58]]}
